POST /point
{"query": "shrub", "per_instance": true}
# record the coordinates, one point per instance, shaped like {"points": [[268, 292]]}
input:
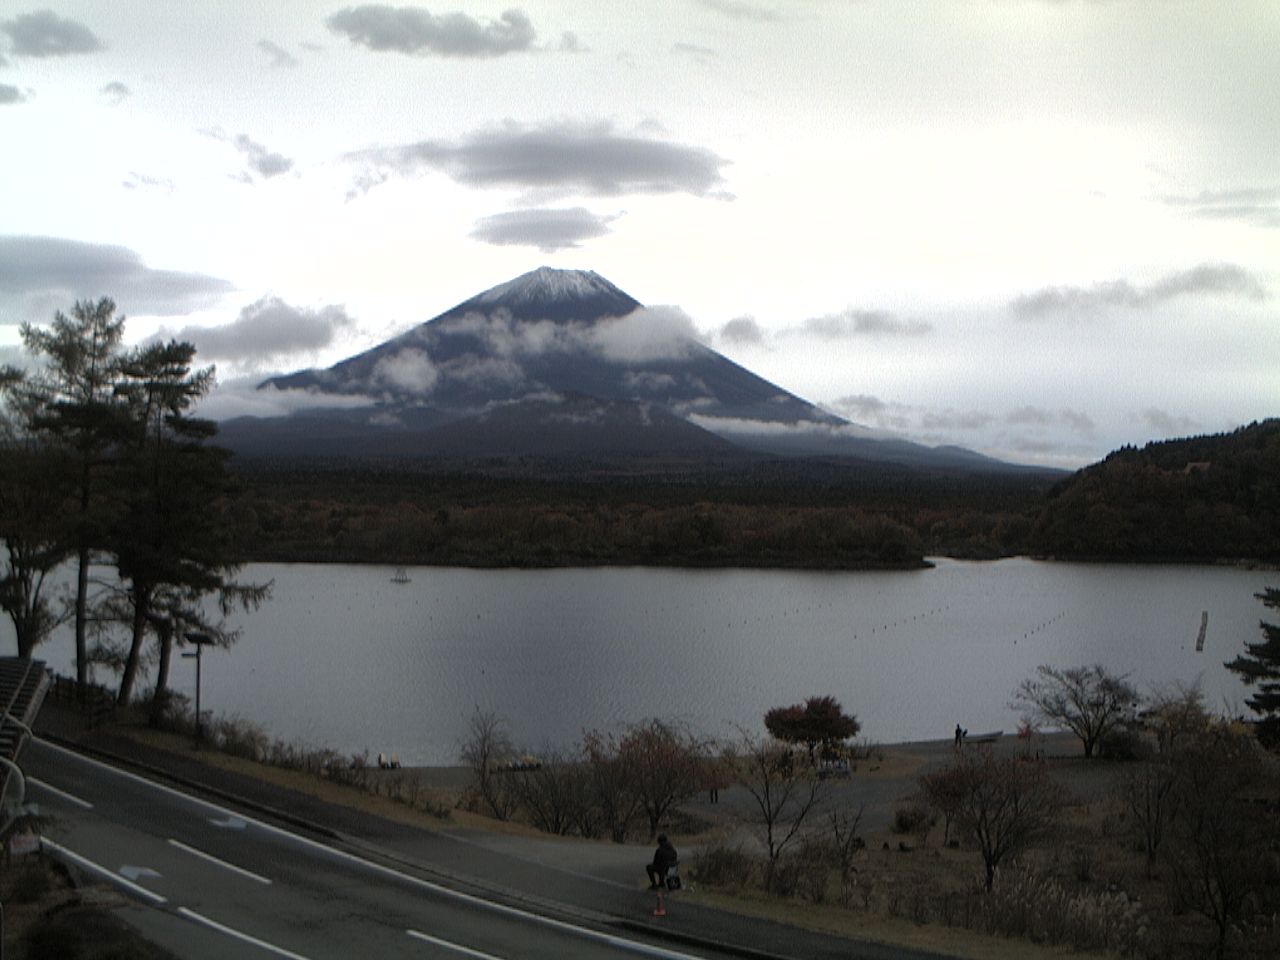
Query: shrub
{"points": [[722, 865], [912, 818]]}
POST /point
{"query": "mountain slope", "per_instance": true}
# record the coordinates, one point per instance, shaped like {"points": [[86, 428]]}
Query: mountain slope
{"points": [[511, 371]]}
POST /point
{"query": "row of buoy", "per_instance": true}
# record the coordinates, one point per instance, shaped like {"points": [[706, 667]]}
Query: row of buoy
{"points": [[1043, 626], [906, 620]]}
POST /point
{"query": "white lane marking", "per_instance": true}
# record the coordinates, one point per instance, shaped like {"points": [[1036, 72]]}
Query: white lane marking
{"points": [[449, 945], [233, 932], [109, 875], [130, 872], [222, 863], [620, 943], [69, 797]]}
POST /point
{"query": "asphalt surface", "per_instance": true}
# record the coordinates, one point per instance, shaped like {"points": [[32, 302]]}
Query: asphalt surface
{"points": [[598, 886]]}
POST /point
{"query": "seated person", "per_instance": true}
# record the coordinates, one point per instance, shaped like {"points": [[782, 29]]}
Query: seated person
{"points": [[664, 858]]}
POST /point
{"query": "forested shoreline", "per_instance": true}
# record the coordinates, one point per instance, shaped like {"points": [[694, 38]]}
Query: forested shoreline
{"points": [[1202, 500], [360, 514]]}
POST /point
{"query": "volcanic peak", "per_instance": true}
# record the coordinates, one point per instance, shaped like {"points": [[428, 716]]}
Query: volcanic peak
{"points": [[547, 293]]}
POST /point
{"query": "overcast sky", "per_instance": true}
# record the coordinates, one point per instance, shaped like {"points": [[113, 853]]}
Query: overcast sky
{"points": [[1036, 228]]}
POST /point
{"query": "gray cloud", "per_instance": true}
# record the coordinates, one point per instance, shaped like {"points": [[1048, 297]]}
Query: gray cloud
{"points": [[45, 34], [38, 274], [115, 91], [547, 229], [10, 94], [262, 160], [1257, 206], [279, 57], [741, 330], [739, 10], [863, 323], [1223, 279], [949, 419], [266, 330], [874, 412], [415, 31], [1075, 420], [556, 158], [1168, 424]]}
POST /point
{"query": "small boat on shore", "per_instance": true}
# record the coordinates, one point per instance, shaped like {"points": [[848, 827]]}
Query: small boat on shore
{"points": [[400, 576]]}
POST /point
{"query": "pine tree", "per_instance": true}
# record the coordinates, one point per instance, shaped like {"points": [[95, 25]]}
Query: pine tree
{"points": [[77, 411], [1260, 667]]}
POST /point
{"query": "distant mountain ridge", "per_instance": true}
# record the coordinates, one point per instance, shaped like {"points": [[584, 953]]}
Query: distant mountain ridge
{"points": [[561, 363]]}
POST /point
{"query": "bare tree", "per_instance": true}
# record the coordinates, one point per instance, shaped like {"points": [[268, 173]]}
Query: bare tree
{"points": [[485, 751], [1006, 805], [613, 796], [1148, 794], [945, 790], [1089, 701], [784, 788], [845, 843], [664, 767], [552, 793], [1217, 861]]}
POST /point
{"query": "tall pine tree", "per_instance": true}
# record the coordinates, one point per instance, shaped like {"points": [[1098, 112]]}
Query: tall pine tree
{"points": [[77, 411]]}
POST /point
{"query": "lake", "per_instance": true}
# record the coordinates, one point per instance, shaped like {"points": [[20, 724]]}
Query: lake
{"points": [[344, 657]]}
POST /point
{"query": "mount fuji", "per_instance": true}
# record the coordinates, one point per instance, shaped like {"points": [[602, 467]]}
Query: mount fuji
{"points": [[559, 364]]}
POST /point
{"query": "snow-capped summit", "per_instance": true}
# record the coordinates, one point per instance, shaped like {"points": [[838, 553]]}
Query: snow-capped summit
{"points": [[548, 283], [550, 294]]}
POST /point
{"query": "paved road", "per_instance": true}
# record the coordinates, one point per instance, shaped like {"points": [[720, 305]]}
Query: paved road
{"points": [[211, 882]]}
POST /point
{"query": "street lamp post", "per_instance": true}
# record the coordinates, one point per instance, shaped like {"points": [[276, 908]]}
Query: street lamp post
{"points": [[200, 641]]}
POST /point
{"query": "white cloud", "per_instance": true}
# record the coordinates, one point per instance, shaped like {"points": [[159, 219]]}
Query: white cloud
{"points": [[243, 398], [407, 371], [743, 331], [648, 334]]}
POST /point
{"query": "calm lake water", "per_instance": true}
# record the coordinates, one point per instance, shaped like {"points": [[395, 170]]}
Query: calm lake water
{"points": [[343, 657]]}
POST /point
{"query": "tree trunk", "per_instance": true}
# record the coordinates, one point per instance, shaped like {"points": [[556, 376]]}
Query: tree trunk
{"points": [[82, 617], [130, 675], [164, 636]]}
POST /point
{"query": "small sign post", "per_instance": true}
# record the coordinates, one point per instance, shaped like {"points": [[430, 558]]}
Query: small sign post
{"points": [[200, 640]]}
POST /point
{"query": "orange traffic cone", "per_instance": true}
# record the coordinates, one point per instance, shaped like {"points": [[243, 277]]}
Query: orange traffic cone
{"points": [[659, 910]]}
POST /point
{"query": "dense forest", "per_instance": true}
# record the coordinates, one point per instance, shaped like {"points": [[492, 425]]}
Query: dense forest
{"points": [[1200, 499], [812, 515]]}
